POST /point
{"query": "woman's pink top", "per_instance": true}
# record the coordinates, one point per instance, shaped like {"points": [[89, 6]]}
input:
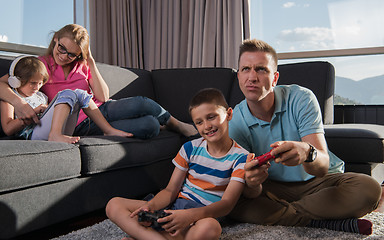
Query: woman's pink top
{"points": [[76, 79]]}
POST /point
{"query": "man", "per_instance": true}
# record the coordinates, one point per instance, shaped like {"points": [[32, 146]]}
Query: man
{"points": [[304, 186]]}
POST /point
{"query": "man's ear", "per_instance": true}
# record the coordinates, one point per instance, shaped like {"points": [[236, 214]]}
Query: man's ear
{"points": [[229, 113], [275, 78]]}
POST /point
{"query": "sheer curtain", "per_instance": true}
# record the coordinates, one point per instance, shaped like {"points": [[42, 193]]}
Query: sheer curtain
{"points": [[153, 34]]}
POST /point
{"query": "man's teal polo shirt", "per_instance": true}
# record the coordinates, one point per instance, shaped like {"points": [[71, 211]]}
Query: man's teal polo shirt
{"points": [[297, 114]]}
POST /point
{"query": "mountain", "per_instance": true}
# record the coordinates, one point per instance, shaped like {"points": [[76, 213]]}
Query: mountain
{"points": [[366, 91]]}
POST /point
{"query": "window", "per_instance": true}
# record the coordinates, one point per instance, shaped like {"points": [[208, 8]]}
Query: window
{"points": [[348, 32], [27, 26]]}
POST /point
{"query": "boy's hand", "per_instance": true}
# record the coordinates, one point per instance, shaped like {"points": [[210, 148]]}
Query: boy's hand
{"points": [[177, 221], [254, 174], [145, 207]]}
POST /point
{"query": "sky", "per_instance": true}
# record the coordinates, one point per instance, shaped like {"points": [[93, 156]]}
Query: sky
{"points": [[32, 21], [307, 25], [287, 25]]}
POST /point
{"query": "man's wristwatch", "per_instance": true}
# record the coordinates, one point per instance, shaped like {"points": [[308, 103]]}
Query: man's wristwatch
{"points": [[312, 154]]}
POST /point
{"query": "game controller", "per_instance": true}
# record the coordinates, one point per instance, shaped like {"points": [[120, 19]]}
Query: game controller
{"points": [[146, 216], [264, 158]]}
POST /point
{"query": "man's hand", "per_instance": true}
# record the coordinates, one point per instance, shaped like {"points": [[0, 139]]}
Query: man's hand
{"points": [[293, 153], [290, 153], [26, 113]]}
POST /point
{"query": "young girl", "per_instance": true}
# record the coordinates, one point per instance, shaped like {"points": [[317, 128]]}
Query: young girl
{"points": [[70, 65], [27, 76]]}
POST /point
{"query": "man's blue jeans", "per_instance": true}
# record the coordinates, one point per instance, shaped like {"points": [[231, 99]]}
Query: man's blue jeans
{"points": [[139, 115]]}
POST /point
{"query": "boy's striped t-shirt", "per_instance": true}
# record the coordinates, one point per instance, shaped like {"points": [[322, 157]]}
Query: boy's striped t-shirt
{"points": [[208, 176]]}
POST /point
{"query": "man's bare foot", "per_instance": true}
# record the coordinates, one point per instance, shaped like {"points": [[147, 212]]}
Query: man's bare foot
{"points": [[117, 132], [184, 128], [63, 138]]}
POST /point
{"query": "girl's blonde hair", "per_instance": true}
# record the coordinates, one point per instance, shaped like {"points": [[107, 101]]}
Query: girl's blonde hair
{"points": [[27, 67]]}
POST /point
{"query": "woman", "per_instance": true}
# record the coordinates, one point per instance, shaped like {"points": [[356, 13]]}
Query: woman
{"points": [[70, 65]]}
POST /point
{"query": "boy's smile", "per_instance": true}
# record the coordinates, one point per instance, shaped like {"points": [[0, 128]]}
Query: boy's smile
{"points": [[211, 121]]}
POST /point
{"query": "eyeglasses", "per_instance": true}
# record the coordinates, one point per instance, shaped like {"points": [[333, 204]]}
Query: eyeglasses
{"points": [[63, 50]]}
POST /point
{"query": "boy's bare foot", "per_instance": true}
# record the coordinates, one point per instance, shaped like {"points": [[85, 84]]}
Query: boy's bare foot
{"points": [[184, 128], [117, 132], [63, 138]]}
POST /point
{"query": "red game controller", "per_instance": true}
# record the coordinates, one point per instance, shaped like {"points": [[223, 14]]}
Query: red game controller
{"points": [[264, 158]]}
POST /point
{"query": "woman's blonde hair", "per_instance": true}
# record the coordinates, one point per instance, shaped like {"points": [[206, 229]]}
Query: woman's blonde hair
{"points": [[75, 32]]}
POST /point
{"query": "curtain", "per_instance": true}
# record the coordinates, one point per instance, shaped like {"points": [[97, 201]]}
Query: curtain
{"points": [[154, 34]]}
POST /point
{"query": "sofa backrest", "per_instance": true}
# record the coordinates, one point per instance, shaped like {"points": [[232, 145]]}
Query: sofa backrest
{"points": [[174, 88], [318, 76], [4, 66], [4, 69], [127, 82]]}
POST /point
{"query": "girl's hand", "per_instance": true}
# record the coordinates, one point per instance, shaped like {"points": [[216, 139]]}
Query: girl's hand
{"points": [[40, 109], [177, 221]]}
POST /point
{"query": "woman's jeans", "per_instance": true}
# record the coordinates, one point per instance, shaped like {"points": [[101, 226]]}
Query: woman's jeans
{"points": [[139, 115]]}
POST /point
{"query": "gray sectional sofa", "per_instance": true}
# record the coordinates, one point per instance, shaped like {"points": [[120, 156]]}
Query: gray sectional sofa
{"points": [[43, 183]]}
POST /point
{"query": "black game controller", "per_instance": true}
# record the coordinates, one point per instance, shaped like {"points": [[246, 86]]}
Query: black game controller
{"points": [[146, 216]]}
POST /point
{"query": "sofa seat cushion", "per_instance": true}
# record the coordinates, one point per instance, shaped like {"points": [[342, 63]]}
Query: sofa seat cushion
{"points": [[356, 143], [106, 153], [30, 163]]}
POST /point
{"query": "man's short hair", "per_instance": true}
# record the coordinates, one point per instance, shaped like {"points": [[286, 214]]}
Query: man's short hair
{"points": [[208, 95], [256, 45]]}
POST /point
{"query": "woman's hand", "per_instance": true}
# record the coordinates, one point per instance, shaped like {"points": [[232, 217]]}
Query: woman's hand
{"points": [[26, 113], [98, 85]]}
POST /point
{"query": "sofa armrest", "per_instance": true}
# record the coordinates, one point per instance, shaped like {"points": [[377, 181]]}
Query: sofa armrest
{"points": [[356, 143]]}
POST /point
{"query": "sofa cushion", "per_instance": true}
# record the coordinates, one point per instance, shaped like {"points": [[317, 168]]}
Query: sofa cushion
{"points": [[356, 142], [102, 153], [29, 163], [174, 88]]}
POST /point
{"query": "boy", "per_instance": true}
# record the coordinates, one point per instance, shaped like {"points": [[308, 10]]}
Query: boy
{"points": [[206, 183]]}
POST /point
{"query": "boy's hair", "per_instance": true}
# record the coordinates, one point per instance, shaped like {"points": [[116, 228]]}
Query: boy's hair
{"points": [[208, 95], [27, 67], [256, 45], [75, 32]]}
